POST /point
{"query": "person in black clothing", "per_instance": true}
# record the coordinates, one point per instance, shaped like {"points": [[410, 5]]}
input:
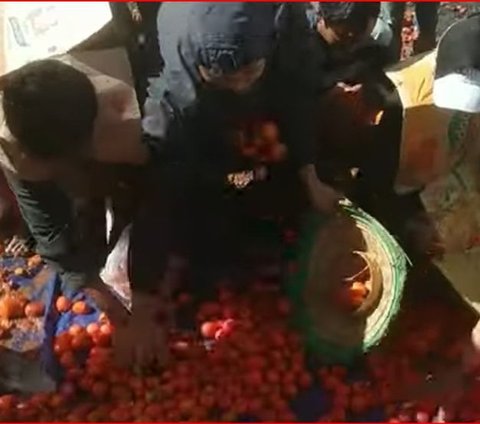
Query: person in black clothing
{"points": [[225, 63]]}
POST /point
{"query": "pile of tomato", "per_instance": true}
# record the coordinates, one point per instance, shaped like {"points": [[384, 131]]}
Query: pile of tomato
{"points": [[244, 359]]}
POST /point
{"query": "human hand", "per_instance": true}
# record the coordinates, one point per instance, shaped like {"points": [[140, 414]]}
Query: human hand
{"points": [[323, 198], [347, 88], [424, 237], [16, 246], [142, 340], [107, 302]]}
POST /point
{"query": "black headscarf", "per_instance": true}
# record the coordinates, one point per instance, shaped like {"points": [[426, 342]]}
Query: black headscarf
{"points": [[222, 37]]}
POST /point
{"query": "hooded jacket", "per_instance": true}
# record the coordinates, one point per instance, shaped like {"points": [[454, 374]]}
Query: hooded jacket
{"points": [[189, 117]]}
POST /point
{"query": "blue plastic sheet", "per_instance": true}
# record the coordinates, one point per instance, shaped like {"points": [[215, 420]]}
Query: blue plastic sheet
{"points": [[35, 344], [39, 285]]}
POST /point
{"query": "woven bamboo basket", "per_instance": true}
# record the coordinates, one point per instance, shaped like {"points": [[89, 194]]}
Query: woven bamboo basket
{"points": [[332, 334]]}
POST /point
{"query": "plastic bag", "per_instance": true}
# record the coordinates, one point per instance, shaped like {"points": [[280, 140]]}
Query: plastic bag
{"points": [[115, 272]]}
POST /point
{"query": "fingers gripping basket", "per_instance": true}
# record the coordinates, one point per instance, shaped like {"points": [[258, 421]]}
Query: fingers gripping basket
{"points": [[330, 333]]}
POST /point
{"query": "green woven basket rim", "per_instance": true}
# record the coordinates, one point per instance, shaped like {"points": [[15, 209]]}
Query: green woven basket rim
{"points": [[326, 350]]}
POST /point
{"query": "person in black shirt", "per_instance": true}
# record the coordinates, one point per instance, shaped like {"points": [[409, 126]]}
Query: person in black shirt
{"points": [[225, 63]]}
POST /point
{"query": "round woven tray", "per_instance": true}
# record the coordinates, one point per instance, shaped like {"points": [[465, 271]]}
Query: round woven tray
{"points": [[333, 334]]}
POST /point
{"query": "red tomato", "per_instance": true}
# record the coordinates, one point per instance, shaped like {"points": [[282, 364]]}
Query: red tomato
{"points": [[81, 342], [99, 390], [120, 415], [67, 360], [34, 309], [93, 328], [101, 353], [106, 329], [75, 330], [102, 340], [7, 402], [56, 401], [63, 304], [62, 344], [81, 308], [210, 328]]}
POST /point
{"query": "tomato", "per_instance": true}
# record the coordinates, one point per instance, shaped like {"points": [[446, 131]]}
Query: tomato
{"points": [[121, 393], [67, 390], [80, 307], [25, 412], [99, 390], [56, 401], [254, 378], [96, 370], [63, 304], [102, 340], [7, 402], [305, 380], [269, 132], [85, 382], [12, 306], [39, 400], [358, 289], [62, 344], [106, 329], [73, 374], [93, 328], [81, 342], [100, 352], [358, 403], [210, 328], [76, 330], [34, 309], [67, 360], [120, 415], [153, 411]]}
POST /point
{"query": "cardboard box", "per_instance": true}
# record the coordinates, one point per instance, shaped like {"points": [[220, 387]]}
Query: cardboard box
{"points": [[37, 30]]}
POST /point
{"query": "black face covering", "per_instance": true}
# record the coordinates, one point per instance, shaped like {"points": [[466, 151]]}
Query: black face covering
{"points": [[222, 37]]}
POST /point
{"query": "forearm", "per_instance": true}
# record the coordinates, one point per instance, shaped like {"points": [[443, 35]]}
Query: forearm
{"points": [[48, 212]]}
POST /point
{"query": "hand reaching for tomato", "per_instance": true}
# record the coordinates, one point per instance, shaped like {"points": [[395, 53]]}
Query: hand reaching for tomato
{"points": [[323, 198], [106, 301], [350, 89], [424, 237], [142, 340]]}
